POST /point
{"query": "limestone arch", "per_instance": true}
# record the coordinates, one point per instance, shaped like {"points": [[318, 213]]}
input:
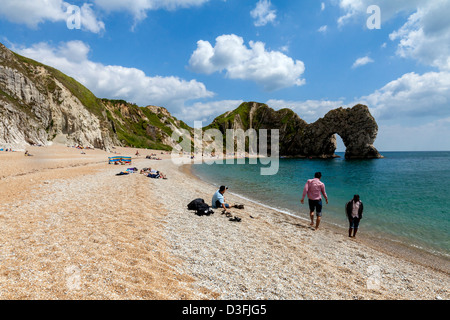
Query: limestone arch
{"points": [[356, 127]]}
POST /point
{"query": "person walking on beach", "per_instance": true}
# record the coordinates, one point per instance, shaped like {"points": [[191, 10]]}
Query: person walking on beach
{"points": [[354, 210], [314, 188]]}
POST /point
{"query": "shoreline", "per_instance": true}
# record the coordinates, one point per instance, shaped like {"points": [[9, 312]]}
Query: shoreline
{"points": [[395, 248]]}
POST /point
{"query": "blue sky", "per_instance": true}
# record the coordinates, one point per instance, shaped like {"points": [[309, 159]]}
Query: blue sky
{"points": [[201, 58]]}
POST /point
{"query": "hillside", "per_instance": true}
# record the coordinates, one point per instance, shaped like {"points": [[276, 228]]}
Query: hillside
{"points": [[40, 105]]}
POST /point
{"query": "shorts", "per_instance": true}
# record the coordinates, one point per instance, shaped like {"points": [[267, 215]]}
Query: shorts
{"points": [[315, 205], [354, 223], [219, 205]]}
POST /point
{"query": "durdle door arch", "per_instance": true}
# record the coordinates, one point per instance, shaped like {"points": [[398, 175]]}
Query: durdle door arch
{"points": [[356, 126]]}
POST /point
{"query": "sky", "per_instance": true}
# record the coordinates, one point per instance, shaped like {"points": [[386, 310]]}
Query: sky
{"points": [[201, 58]]}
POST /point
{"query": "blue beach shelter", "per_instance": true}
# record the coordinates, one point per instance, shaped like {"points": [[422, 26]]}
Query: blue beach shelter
{"points": [[114, 160]]}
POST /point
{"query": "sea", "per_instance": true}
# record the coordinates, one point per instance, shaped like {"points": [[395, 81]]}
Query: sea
{"points": [[406, 195]]}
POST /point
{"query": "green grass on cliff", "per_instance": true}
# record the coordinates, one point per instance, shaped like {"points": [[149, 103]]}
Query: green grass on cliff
{"points": [[132, 130], [227, 119], [86, 97]]}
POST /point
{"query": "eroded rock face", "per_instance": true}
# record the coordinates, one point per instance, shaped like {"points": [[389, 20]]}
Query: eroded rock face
{"points": [[36, 108], [356, 126]]}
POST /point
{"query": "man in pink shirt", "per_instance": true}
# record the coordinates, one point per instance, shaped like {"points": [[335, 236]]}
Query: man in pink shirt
{"points": [[314, 188]]}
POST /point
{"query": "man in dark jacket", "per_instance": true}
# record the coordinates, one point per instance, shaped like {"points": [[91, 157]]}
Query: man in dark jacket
{"points": [[354, 209]]}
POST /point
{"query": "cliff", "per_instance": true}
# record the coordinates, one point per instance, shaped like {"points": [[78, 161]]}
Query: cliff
{"points": [[356, 126], [41, 105], [150, 127]]}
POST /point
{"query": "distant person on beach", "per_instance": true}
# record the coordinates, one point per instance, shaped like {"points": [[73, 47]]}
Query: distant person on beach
{"points": [[354, 210], [314, 188], [218, 200]]}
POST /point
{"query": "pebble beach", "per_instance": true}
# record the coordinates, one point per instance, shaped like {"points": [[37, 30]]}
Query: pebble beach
{"points": [[71, 229]]}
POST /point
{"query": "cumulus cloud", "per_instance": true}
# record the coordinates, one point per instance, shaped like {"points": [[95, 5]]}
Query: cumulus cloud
{"points": [[362, 62], [263, 13], [116, 82], [426, 35], [271, 69], [412, 95], [32, 13]]}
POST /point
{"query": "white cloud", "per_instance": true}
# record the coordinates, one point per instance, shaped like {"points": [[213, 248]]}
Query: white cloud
{"points": [[322, 6], [89, 20], [362, 62], [33, 13], [206, 111], [139, 8], [116, 82], [323, 29], [271, 69], [354, 9], [426, 35], [263, 13], [310, 110], [413, 96]]}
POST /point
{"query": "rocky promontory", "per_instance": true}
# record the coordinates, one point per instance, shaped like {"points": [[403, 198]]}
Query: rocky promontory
{"points": [[356, 126]]}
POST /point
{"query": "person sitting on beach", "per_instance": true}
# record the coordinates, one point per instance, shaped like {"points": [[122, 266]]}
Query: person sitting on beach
{"points": [[218, 200], [314, 188], [354, 210]]}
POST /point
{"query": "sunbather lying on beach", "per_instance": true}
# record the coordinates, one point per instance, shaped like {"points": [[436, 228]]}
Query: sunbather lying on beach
{"points": [[156, 175]]}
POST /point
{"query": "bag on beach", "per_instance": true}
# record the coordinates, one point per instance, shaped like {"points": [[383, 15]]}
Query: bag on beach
{"points": [[194, 204], [201, 208]]}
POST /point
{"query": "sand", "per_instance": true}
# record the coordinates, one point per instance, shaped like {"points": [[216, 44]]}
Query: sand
{"points": [[71, 229]]}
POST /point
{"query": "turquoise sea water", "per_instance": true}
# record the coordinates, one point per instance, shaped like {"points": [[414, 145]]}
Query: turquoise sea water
{"points": [[406, 195]]}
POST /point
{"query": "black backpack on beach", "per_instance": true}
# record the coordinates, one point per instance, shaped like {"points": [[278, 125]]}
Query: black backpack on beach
{"points": [[201, 208]]}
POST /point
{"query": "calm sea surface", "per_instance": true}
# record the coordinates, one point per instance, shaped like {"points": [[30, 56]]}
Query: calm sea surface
{"points": [[406, 195]]}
